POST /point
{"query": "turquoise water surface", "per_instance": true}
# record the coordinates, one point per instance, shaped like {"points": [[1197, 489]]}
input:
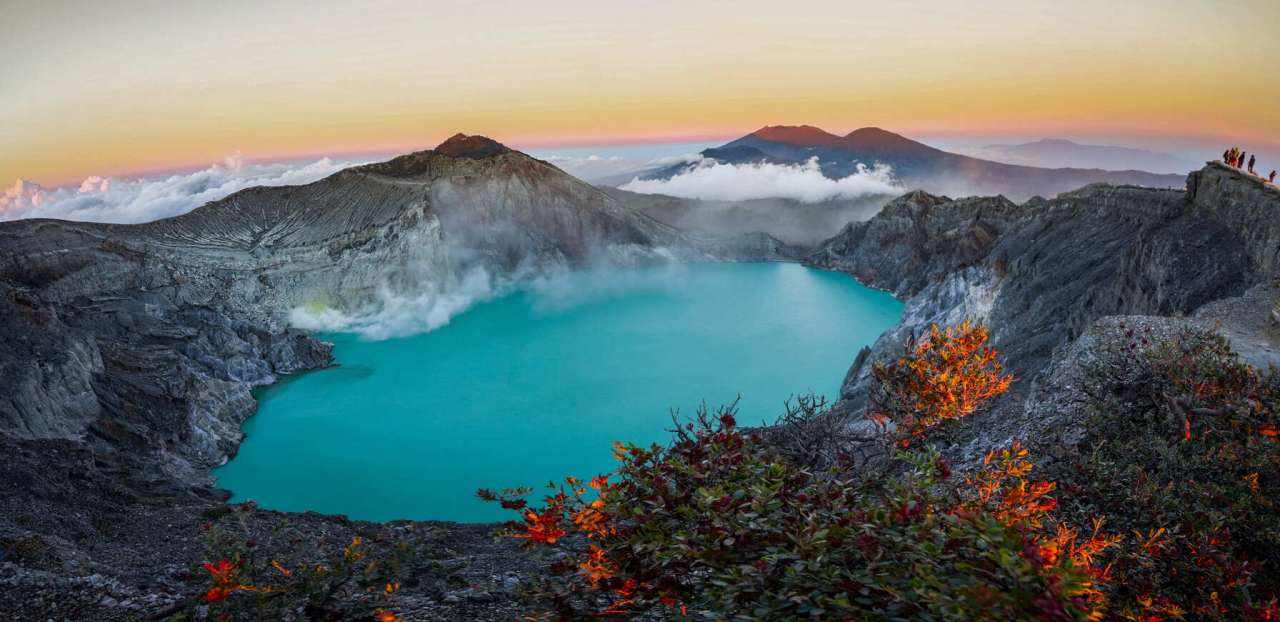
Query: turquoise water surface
{"points": [[537, 384]]}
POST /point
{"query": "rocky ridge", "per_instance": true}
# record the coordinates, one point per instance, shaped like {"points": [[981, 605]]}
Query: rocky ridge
{"points": [[1048, 277]]}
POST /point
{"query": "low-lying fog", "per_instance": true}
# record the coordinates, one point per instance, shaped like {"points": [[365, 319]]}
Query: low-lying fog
{"points": [[795, 203], [789, 220]]}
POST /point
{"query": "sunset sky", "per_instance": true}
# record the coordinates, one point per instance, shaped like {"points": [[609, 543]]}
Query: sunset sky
{"points": [[112, 88]]}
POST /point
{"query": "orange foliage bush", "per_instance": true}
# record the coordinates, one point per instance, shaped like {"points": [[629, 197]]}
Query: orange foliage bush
{"points": [[946, 375]]}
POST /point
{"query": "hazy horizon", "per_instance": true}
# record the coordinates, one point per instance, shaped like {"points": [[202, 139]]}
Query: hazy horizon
{"points": [[1188, 147], [116, 87], [153, 195]]}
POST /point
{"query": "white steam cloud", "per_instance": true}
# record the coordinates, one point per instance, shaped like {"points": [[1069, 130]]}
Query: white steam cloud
{"points": [[557, 291], [400, 315], [118, 200], [715, 181]]}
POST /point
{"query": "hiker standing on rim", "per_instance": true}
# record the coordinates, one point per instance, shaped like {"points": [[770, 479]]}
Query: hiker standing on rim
{"points": [[1272, 178], [1252, 159]]}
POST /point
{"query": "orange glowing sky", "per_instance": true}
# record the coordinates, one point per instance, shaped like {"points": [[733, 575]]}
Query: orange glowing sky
{"points": [[119, 87]]}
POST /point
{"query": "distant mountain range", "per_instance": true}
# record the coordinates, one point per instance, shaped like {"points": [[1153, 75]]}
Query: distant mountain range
{"points": [[1059, 153], [915, 164]]}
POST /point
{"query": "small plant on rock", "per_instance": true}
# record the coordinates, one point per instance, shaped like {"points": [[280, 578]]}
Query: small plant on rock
{"points": [[946, 375], [244, 583]]}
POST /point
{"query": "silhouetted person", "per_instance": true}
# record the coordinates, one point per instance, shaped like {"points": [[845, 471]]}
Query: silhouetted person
{"points": [[1240, 160], [1226, 156], [1272, 179], [1252, 159]]}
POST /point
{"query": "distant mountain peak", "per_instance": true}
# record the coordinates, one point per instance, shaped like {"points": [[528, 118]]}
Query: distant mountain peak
{"points": [[1043, 142], [872, 131], [463, 146], [1056, 141], [918, 165], [875, 134], [883, 143], [1063, 153], [796, 135]]}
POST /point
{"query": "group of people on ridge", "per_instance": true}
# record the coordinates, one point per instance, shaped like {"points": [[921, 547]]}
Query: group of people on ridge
{"points": [[1235, 157]]}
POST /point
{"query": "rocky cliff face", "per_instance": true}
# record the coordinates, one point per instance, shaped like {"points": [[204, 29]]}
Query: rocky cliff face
{"points": [[129, 347], [1042, 273], [917, 240]]}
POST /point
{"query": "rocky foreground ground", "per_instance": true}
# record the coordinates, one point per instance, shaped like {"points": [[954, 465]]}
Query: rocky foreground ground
{"points": [[129, 354], [86, 539]]}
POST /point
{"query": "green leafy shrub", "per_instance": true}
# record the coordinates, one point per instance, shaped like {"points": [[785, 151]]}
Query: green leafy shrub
{"points": [[1183, 457]]}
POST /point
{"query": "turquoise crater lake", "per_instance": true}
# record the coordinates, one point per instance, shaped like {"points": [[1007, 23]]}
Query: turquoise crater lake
{"points": [[537, 384]]}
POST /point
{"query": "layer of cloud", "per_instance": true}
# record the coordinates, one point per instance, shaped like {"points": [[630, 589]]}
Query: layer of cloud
{"points": [[711, 180], [119, 200], [22, 195], [600, 169]]}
